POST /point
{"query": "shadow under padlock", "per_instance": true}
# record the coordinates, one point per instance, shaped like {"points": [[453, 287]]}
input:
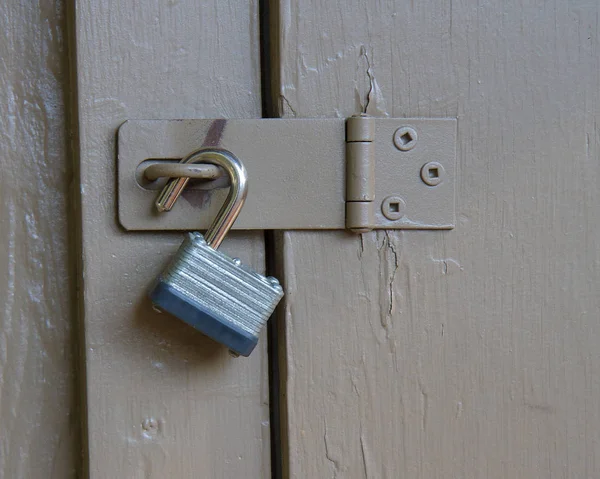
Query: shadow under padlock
{"points": [[207, 289]]}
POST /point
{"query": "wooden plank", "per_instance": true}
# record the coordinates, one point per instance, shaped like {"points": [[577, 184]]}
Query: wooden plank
{"points": [[37, 431], [162, 400], [469, 353]]}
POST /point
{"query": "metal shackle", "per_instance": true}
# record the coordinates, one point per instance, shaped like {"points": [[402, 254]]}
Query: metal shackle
{"points": [[238, 191]]}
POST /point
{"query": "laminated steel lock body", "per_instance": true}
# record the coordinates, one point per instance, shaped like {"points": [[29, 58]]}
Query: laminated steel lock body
{"points": [[212, 292]]}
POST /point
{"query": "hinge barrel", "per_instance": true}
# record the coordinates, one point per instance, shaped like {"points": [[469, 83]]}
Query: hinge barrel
{"points": [[360, 173]]}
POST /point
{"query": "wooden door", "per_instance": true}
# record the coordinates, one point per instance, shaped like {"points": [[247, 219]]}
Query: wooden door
{"points": [[416, 354], [162, 400], [468, 353]]}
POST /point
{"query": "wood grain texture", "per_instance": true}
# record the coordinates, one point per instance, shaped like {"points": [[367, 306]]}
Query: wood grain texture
{"points": [[162, 399], [37, 429], [469, 353]]}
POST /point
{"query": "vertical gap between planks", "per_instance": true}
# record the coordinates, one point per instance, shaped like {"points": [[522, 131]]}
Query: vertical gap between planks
{"points": [[273, 345], [269, 64], [75, 242]]}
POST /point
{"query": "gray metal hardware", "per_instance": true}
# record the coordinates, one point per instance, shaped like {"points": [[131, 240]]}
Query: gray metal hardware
{"points": [[205, 288], [306, 173], [158, 170]]}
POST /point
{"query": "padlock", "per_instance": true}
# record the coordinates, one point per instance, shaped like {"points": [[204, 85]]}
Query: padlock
{"points": [[210, 291]]}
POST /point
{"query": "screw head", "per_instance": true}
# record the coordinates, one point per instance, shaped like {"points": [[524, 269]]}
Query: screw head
{"points": [[237, 261], [432, 173], [393, 208], [405, 138]]}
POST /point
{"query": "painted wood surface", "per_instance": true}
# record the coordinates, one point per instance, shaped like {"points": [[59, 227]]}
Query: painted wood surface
{"points": [[37, 429], [162, 400], [474, 352]]}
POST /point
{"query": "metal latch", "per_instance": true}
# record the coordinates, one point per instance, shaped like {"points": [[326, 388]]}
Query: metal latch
{"points": [[362, 173]]}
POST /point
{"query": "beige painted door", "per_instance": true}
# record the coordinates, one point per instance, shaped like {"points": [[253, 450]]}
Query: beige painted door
{"points": [[469, 353], [162, 400]]}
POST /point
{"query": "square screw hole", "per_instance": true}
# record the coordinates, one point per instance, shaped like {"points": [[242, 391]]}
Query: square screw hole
{"points": [[406, 138], [394, 207], [434, 173]]}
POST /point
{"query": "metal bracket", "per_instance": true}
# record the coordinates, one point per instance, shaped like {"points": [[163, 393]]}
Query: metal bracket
{"points": [[362, 173]]}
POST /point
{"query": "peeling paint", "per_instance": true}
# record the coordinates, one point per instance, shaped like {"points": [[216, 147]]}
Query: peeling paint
{"points": [[370, 97], [448, 265], [365, 455], [286, 107], [390, 262], [328, 455]]}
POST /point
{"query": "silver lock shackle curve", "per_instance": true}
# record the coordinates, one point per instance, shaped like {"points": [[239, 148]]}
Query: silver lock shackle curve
{"points": [[238, 191]]}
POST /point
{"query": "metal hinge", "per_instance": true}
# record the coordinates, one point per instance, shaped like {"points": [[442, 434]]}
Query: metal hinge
{"points": [[362, 173]]}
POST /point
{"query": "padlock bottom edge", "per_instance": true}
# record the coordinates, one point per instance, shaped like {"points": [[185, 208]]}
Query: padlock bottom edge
{"points": [[168, 299]]}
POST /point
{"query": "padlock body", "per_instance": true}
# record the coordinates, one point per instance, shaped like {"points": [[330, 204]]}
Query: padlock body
{"points": [[217, 295]]}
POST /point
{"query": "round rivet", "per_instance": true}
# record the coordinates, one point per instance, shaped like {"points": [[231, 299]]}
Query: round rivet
{"points": [[432, 173], [274, 282], [198, 239], [405, 138], [237, 261], [393, 208]]}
